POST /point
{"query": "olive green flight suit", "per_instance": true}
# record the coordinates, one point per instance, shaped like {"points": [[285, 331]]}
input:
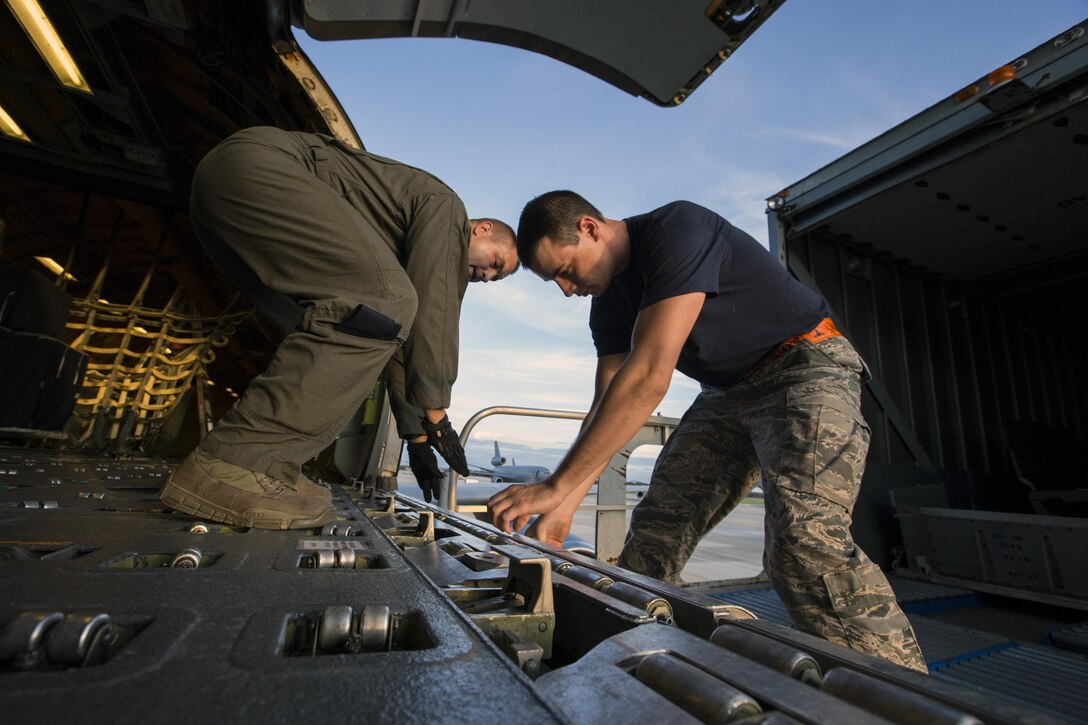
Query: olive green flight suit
{"points": [[373, 253]]}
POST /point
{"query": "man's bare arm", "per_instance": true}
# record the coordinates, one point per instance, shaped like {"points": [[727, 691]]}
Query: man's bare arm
{"points": [[607, 366], [633, 392]]}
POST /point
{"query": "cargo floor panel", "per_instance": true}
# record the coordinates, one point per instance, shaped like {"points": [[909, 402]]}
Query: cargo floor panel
{"points": [[396, 612], [116, 592]]}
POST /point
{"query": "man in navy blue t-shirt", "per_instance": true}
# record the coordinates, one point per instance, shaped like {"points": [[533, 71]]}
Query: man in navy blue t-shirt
{"points": [[680, 288]]}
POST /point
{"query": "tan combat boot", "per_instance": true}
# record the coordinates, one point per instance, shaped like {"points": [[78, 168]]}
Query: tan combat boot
{"points": [[209, 488], [307, 487]]}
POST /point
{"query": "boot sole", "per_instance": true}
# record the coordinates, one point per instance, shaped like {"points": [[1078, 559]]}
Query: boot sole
{"points": [[186, 502]]}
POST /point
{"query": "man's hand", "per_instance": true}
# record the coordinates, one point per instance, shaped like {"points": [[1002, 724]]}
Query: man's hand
{"points": [[551, 528], [443, 437], [425, 468], [515, 505]]}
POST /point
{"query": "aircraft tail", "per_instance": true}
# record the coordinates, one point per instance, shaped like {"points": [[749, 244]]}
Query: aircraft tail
{"points": [[498, 460]]}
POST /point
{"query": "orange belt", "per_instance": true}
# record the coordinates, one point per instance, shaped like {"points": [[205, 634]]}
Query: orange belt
{"points": [[823, 331]]}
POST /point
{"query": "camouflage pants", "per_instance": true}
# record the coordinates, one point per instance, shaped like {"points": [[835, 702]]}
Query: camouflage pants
{"points": [[798, 422]]}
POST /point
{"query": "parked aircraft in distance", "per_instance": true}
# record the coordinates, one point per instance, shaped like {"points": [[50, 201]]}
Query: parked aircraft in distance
{"points": [[501, 473]]}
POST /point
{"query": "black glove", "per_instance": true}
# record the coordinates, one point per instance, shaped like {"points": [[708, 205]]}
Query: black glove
{"points": [[444, 438], [425, 468]]}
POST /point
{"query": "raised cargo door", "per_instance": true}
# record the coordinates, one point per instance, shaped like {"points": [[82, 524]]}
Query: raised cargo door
{"points": [[661, 51]]}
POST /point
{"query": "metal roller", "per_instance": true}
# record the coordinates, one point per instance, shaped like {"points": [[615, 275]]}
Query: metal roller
{"points": [[766, 651], [456, 549], [697, 692], [199, 528], [345, 558], [891, 702], [644, 600], [334, 628], [187, 559], [588, 577], [768, 718], [559, 565], [24, 634], [323, 559], [101, 641], [375, 630], [69, 641], [328, 530]]}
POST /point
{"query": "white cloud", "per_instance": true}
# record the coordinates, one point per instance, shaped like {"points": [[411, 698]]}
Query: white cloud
{"points": [[739, 195], [840, 139], [533, 377], [525, 303]]}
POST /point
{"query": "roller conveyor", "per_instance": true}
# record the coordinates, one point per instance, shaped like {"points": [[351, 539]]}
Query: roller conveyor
{"points": [[397, 612]]}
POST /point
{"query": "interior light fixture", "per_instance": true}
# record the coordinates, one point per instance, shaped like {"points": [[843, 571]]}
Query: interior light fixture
{"points": [[10, 128], [50, 47], [53, 266]]}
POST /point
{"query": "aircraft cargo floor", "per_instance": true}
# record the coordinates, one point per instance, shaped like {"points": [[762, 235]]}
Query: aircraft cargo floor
{"points": [[1048, 679]]}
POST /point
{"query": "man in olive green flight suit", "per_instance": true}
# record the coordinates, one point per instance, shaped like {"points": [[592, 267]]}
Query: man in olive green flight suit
{"points": [[371, 258]]}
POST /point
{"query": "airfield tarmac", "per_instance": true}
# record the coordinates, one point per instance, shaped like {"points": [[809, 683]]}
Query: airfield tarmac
{"points": [[733, 550]]}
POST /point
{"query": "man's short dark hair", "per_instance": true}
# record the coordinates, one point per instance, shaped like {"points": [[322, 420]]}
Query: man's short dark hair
{"points": [[505, 230], [553, 215]]}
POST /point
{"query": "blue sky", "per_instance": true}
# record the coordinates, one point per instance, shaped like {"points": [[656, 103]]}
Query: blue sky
{"points": [[501, 125]]}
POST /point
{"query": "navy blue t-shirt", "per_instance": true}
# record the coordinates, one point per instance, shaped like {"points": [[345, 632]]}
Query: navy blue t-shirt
{"points": [[752, 303]]}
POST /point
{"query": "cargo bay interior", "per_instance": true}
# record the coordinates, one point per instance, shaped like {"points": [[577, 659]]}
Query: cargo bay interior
{"points": [[114, 602], [952, 249]]}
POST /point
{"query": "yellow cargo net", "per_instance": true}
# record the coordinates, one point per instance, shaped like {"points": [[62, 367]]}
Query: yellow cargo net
{"points": [[141, 363]]}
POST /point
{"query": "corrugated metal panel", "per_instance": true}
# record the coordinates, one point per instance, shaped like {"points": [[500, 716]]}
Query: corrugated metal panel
{"points": [[945, 643], [941, 643], [1073, 638], [1055, 682], [911, 590], [764, 603]]}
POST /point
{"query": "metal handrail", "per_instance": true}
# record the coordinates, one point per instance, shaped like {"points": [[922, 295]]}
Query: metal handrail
{"points": [[449, 496]]}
